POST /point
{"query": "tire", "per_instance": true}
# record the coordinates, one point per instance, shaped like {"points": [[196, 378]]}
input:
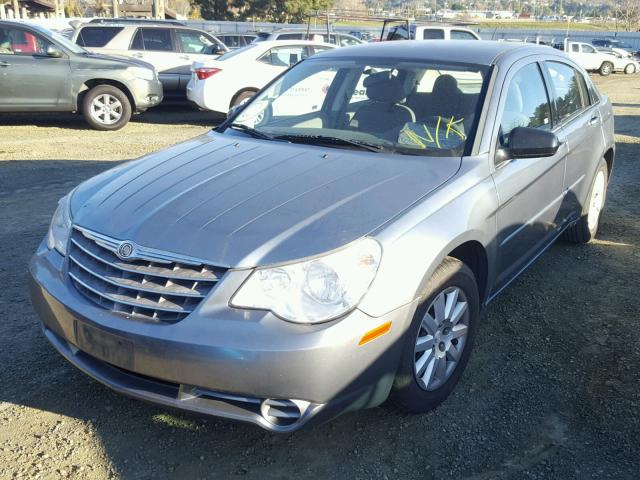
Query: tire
{"points": [[242, 97], [606, 68], [106, 107], [585, 229], [410, 392], [629, 69]]}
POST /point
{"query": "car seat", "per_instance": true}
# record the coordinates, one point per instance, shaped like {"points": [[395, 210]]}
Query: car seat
{"points": [[383, 115]]}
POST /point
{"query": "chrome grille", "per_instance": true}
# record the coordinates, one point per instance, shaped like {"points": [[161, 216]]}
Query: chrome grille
{"points": [[154, 286]]}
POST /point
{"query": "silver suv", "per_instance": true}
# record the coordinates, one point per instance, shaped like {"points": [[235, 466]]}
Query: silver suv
{"points": [[170, 48], [42, 71]]}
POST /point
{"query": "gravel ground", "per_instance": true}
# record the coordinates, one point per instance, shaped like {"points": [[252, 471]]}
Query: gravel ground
{"points": [[552, 390]]}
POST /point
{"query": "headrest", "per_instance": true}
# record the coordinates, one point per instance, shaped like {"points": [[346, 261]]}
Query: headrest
{"points": [[381, 87], [445, 85]]}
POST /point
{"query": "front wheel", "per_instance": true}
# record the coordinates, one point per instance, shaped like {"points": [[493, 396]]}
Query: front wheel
{"points": [[439, 340], [106, 107], [629, 69], [585, 229], [606, 68]]}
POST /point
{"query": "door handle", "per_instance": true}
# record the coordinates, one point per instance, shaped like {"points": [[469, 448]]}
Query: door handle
{"points": [[138, 55], [594, 120], [5, 64], [184, 57]]}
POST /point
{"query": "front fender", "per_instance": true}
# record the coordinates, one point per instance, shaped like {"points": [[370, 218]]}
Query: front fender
{"points": [[462, 210]]}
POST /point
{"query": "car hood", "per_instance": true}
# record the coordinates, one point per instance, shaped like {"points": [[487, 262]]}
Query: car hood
{"points": [[240, 202]]}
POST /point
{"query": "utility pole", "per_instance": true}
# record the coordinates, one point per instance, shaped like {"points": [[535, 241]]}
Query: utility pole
{"points": [[114, 8], [16, 9], [158, 9]]}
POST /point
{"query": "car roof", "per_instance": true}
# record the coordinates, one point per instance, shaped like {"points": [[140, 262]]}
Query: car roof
{"points": [[132, 26], [463, 51]]}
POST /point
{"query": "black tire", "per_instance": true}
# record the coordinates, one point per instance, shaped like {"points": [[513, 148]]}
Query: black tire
{"points": [[629, 69], [407, 394], [580, 232], [606, 68], [122, 108], [242, 97]]}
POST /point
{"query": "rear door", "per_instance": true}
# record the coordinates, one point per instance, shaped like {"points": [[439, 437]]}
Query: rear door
{"points": [[579, 116], [530, 190], [157, 46], [29, 79]]}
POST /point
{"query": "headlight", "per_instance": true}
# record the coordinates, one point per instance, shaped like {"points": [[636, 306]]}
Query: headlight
{"points": [[60, 227], [315, 290], [143, 73]]}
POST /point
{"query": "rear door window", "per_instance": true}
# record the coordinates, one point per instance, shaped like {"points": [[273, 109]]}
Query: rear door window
{"points": [[284, 56], [569, 88], [462, 35], [433, 34], [96, 36], [232, 41], [154, 40], [192, 41]]}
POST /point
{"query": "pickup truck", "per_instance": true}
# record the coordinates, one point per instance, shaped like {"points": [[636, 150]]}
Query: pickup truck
{"points": [[593, 60]]}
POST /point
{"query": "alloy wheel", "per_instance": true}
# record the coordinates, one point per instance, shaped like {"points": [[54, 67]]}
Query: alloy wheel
{"points": [[441, 338], [106, 109]]}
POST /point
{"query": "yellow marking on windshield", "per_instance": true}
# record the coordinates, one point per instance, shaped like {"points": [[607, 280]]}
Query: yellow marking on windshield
{"points": [[453, 127]]}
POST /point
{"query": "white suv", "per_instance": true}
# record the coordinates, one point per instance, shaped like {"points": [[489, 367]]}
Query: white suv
{"points": [[171, 49], [431, 32]]}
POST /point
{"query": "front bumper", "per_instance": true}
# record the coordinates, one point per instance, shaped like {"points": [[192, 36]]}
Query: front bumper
{"points": [[146, 93], [221, 361]]}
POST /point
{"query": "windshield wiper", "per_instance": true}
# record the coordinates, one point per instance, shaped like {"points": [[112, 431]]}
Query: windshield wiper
{"points": [[251, 131], [321, 139]]}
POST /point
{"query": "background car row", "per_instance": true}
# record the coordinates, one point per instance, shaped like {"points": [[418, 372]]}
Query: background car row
{"points": [[134, 64]]}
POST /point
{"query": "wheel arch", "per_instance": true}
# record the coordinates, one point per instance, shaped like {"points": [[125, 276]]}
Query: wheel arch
{"points": [[474, 255], [240, 92], [89, 84], [609, 156]]}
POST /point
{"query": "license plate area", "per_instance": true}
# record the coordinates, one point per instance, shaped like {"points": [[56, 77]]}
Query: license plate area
{"points": [[105, 346]]}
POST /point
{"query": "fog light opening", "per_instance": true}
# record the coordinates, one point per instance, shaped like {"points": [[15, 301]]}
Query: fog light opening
{"points": [[283, 412]]}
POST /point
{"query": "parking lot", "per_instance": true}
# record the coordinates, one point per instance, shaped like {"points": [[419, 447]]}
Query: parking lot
{"points": [[551, 391]]}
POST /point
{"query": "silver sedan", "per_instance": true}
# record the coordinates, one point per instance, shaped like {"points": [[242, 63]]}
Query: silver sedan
{"points": [[333, 243]]}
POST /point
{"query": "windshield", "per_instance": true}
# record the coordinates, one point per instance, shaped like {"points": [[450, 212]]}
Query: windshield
{"points": [[66, 43], [417, 108]]}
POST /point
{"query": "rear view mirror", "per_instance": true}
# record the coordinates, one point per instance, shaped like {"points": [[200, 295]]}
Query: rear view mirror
{"points": [[525, 142], [53, 52]]}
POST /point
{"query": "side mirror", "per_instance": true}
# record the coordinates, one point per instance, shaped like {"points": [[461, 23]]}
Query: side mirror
{"points": [[525, 142], [53, 52], [217, 49]]}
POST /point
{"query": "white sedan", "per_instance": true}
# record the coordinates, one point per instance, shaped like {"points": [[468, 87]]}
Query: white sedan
{"points": [[234, 77]]}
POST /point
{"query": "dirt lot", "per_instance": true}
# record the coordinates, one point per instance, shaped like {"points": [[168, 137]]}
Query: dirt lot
{"points": [[552, 390]]}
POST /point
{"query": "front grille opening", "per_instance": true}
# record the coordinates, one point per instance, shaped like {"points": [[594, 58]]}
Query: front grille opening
{"points": [[155, 289]]}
